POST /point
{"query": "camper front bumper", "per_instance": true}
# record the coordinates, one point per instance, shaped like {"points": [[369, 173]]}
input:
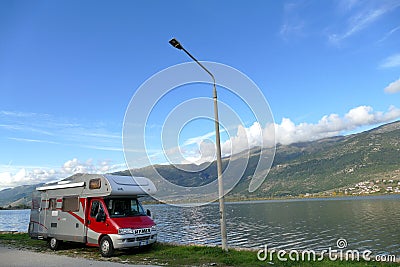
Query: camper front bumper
{"points": [[132, 240]]}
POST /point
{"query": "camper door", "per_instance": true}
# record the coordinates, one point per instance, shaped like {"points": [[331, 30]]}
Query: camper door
{"points": [[71, 219]]}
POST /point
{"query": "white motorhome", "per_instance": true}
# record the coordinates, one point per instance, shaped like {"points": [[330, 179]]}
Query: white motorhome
{"points": [[98, 210]]}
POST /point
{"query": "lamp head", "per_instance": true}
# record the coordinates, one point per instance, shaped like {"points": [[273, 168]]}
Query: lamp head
{"points": [[175, 43]]}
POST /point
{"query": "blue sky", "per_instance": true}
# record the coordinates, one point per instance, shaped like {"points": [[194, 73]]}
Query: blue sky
{"points": [[68, 70]]}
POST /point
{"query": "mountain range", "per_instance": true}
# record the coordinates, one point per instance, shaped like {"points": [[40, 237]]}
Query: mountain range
{"points": [[323, 167]]}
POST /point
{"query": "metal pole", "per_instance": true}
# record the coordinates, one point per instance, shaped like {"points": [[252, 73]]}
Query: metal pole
{"points": [[219, 170], [176, 44]]}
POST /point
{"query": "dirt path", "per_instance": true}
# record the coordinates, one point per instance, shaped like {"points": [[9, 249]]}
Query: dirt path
{"points": [[12, 257]]}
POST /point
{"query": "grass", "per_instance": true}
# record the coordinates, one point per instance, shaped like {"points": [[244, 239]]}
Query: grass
{"points": [[170, 255]]}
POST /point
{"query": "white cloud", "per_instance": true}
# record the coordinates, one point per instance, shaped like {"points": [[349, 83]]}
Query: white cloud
{"points": [[44, 128], [393, 87], [204, 153], [32, 140], [293, 23], [331, 125], [346, 5], [389, 34], [24, 177], [199, 139], [15, 176], [21, 114], [391, 62], [75, 166], [361, 15], [359, 116], [245, 138], [288, 132]]}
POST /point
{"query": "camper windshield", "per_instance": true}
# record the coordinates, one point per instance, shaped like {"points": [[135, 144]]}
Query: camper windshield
{"points": [[124, 207]]}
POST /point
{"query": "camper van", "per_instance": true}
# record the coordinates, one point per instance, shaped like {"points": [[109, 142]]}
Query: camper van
{"points": [[98, 210]]}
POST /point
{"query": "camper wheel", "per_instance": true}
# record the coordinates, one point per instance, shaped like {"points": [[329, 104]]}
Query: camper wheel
{"points": [[54, 243], [106, 247]]}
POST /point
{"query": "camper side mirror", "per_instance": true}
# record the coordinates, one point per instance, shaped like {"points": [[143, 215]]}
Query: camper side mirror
{"points": [[148, 212], [101, 216]]}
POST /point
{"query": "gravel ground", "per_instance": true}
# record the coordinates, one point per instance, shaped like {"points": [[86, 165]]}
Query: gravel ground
{"points": [[12, 257]]}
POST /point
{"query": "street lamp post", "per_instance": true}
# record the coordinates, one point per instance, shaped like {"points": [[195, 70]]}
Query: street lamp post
{"points": [[177, 45]]}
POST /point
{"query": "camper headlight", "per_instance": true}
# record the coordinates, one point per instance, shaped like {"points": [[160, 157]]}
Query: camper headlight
{"points": [[154, 228], [124, 231]]}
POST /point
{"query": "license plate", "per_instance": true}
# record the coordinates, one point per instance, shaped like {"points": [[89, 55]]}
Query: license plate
{"points": [[143, 243], [142, 231]]}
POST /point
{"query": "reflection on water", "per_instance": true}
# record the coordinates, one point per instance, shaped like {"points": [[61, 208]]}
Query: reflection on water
{"points": [[14, 220], [366, 223]]}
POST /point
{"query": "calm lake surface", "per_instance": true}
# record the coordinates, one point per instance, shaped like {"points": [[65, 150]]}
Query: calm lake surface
{"points": [[14, 220], [365, 222]]}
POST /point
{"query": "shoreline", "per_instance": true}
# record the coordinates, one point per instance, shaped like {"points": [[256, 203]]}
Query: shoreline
{"points": [[283, 199]]}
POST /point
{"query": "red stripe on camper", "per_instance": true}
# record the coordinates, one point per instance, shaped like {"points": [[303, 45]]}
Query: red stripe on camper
{"points": [[39, 224], [82, 201], [76, 216]]}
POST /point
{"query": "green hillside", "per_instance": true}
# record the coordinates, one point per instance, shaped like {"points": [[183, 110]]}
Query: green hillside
{"points": [[333, 164]]}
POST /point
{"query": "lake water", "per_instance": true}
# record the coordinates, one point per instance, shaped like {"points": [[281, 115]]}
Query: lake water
{"points": [[364, 222], [14, 220]]}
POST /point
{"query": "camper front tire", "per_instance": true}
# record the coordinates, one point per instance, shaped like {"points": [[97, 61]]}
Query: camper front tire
{"points": [[54, 243], [106, 246]]}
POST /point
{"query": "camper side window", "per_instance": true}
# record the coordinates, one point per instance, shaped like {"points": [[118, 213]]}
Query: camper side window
{"points": [[95, 184], [96, 206], [94, 209], [70, 204], [52, 204]]}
